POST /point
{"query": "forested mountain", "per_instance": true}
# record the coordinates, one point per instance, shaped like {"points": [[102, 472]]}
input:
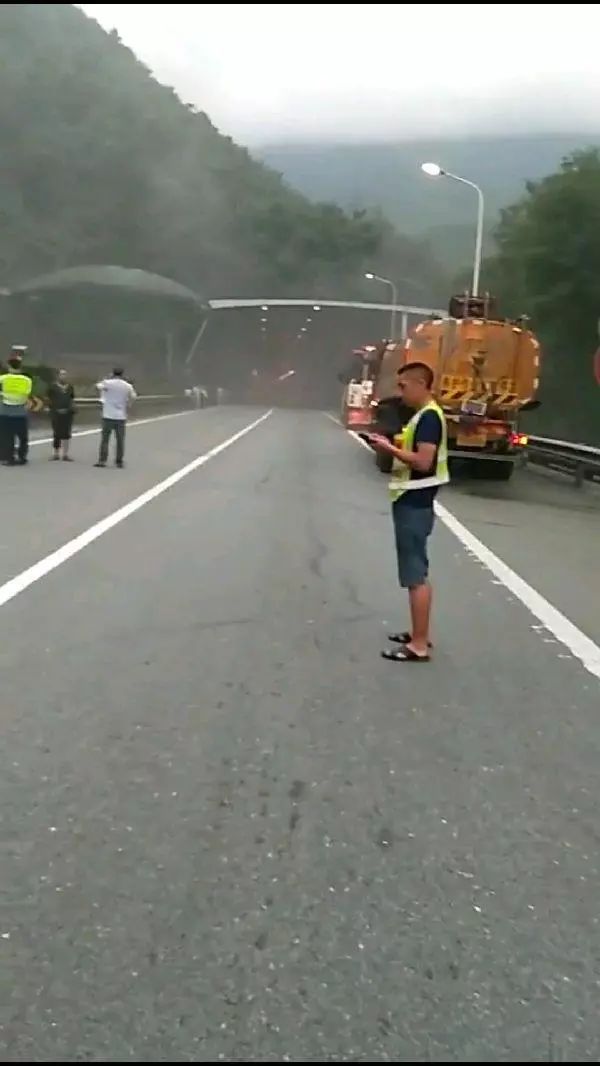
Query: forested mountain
{"points": [[388, 177], [101, 164], [545, 258]]}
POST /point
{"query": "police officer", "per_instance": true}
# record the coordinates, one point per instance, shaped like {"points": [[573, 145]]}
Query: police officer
{"points": [[15, 390]]}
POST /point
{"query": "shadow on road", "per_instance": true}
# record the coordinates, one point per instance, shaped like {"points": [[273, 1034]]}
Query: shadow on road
{"points": [[533, 487]]}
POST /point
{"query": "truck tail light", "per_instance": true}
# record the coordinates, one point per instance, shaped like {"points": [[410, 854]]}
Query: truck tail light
{"points": [[519, 440]]}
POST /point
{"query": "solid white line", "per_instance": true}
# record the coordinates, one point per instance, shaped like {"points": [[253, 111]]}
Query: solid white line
{"points": [[581, 646], [28, 577], [578, 643], [135, 422]]}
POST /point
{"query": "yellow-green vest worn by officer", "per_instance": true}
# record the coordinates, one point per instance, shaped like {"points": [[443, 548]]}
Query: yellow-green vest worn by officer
{"points": [[15, 390], [401, 481]]}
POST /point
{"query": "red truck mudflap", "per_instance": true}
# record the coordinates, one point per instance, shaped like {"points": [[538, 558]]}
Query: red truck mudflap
{"points": [[358, 419]]}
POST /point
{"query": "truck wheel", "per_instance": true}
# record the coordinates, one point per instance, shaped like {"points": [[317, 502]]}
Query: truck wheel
{"points": [[384, 461], [499, 471]]}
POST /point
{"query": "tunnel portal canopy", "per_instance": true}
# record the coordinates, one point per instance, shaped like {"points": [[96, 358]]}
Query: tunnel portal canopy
{"points": [[123, 278]]}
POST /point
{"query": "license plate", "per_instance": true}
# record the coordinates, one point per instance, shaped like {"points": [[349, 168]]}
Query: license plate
{"points": [[476, 439], [474, 407]]}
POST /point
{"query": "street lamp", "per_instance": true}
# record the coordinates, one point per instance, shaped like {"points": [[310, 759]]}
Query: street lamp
{"points": [[386, 281], [434, 170]]}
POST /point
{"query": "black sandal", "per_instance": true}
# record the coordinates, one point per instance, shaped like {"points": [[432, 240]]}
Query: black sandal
{"points": [[404, 655], [404, 638]]}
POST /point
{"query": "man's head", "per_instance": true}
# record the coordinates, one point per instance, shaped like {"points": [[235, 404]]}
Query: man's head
{"points": [[62, 376], [15, 364], [415, 381], [118, 372]]}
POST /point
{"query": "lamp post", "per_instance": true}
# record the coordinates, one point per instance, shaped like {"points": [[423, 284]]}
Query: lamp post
{"points": [[386, 281], [434, 170]]}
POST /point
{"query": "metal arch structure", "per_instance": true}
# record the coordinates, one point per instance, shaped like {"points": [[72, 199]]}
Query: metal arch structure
{"points": [[239, 304], [407, 309], [358, 305]]}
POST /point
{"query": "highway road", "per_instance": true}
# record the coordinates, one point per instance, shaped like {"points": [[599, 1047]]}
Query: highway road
{"points": [[230, 831]]}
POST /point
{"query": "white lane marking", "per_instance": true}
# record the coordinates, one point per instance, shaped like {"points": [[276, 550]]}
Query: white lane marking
{"points": [[338, 422], [553, 620], [28, 577], [135, 422], [581, 646]]}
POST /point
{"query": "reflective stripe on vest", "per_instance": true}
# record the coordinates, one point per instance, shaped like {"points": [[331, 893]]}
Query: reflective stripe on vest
{"points": [[401, 473], [15, 389]]}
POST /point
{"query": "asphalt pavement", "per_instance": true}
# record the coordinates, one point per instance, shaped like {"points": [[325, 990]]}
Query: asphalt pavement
{"points": [[230, 831]]}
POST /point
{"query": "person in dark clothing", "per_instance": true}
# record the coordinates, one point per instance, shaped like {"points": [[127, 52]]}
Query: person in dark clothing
{"points": [[61, 402]]}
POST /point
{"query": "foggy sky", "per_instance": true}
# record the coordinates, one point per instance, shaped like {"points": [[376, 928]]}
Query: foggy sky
{"points": [[293, 72]]}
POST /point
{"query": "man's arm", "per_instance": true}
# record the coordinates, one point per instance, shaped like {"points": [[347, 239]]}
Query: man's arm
{"points": [[132, 395]]}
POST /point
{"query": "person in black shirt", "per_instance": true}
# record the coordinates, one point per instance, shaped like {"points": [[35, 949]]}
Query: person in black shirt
{"points": [[61, 401]]}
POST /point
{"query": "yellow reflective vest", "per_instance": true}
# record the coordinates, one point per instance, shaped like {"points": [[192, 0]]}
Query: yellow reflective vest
{"points": [[15, 390], [401, 473]]}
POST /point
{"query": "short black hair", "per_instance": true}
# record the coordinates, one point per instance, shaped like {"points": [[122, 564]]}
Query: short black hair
{"points": [[425, 372], [118, 372]]}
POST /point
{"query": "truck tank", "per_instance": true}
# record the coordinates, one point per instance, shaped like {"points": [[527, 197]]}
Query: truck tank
{"points": [[486, 372]]}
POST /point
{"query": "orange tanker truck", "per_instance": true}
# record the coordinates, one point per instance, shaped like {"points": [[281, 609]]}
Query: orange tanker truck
{"points": [[487, 372]]}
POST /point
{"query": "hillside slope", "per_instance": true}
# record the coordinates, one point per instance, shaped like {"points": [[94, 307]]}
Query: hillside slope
{"points": [[102, 164], [388, 176]]}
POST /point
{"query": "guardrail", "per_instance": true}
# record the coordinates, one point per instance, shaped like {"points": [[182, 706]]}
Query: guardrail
{"points": [[87, 408], [166, 397], [581, 461]]}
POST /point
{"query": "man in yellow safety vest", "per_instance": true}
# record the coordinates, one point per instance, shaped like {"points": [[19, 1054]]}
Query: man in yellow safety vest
{"points": [[15, 390], [420, 467]]}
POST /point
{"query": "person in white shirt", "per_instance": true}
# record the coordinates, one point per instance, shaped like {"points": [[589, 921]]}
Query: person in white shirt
{"points": [[116, 396]]}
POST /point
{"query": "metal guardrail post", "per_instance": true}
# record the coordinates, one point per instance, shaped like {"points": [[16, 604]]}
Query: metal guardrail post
{"points": [[88, 407], [581, 461]]}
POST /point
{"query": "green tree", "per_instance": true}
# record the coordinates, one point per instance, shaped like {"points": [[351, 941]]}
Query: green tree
{"points": [[102, 164], [313, 241], [548, 265]]}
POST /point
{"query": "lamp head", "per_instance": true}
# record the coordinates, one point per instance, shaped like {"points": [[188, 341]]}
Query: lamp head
{"points": [[432, 169]]}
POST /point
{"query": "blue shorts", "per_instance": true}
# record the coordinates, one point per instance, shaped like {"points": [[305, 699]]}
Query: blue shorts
{"points": [[412, 526]]}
